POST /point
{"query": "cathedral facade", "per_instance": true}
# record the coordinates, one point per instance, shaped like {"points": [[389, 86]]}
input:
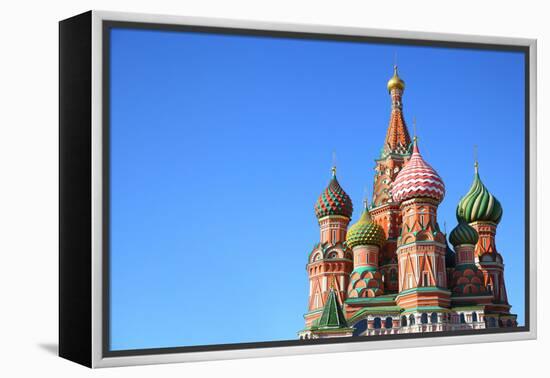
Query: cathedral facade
{"points": [[393, 271]]}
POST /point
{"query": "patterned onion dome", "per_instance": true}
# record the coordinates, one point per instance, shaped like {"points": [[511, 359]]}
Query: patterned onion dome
{"points": [[333, 200], [478, 204], [463, 234], [417, 179], [365, 232], [395, 82]]}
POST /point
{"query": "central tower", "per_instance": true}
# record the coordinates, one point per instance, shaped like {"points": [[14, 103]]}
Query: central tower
{"points": [[393, 156]]}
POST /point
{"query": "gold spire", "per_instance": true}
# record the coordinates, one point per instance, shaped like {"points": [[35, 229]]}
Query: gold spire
{"points": [[395, 82], [476, 164], [414, 130]]}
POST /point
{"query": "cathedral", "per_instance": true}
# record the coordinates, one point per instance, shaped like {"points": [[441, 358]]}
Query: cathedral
{"points": [[393, 271]]}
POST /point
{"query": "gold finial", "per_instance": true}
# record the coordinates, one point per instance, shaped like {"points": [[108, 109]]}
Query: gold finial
{"points": [[395, 82], [476, 164], [333, 169]]}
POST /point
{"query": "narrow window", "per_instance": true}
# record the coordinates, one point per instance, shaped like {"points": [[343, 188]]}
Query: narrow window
{"points": [[433, 318], [377, 323], [411, 319], [425, 279], [462, 318], [424, 318], [403, 321], [440, 279], [388, 323], [474, 317]]}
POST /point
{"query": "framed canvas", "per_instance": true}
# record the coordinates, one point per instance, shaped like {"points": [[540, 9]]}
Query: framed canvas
{"points": [[235, 189]]}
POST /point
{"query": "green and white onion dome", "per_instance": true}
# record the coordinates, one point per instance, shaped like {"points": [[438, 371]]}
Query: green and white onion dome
{"points": [[365, 232], [479, 204], [463, 233]]}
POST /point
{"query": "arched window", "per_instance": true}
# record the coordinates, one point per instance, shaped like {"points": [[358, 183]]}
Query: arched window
{"points": [[411, 319], [474, 316], [301, 337], [491, 322], [424, 318], [377, 323], [462, 318], [389, 322], [403, 321], [433, 318]]}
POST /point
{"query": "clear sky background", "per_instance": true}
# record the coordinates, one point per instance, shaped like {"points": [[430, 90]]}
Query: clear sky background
{"points": [[220, 146]]}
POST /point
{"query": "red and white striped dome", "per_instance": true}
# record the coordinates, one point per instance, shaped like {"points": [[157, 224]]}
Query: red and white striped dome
{"points": [[417, 179]]}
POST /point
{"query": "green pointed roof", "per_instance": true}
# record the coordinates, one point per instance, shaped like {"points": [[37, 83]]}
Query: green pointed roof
{"points": [[365, 232], [478, 204], [332, 316], [463, 233]]}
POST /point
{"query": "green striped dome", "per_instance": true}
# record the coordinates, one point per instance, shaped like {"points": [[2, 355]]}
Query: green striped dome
{"points": [[478, 204], [365, 232], [463, 234]]}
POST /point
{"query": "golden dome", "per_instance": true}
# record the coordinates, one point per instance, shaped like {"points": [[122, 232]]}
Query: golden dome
{"points": [[395, 81]]}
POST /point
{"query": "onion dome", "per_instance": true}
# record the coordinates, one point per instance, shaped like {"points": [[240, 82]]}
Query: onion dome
{"points": [[333, 200], [478, 204], [395, 82], [417, 179], [463, 234], [365, 232]]}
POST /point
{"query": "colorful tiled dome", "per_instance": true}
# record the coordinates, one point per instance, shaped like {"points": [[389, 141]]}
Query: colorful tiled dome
{"points": [[417, 179], [365, 232], [463, 233], [365, 283], [467, 280], [478, 204], [334, 200]]}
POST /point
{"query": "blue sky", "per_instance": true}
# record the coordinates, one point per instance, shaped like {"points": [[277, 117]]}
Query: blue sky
{"points": [[220, 145]]}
